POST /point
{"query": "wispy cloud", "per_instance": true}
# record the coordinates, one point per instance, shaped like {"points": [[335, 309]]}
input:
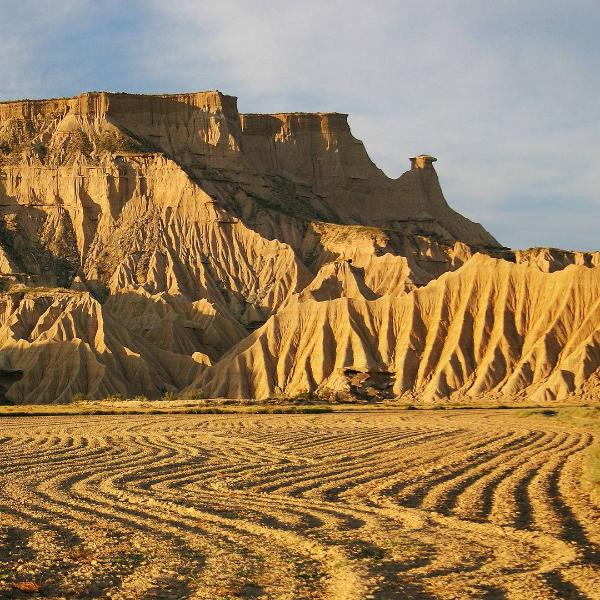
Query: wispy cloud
{"points": [[503, 93]]}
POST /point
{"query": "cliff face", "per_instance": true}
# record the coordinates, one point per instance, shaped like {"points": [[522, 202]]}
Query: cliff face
{"points": [[303, 164], [320, 150], [175, 226]]}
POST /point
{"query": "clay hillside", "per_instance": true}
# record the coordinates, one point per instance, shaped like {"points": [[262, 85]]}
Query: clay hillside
{"points": [[156, 244]]}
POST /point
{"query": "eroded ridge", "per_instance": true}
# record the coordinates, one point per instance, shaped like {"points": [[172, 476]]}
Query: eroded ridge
{"points": [[355, 505]]}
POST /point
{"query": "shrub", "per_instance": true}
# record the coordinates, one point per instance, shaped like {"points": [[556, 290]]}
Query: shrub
{"points": [[196, 395], [308, 398], [139, 399]]}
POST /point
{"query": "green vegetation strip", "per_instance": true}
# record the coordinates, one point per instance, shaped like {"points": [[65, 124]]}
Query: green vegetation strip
{"points": [[73, 410]]}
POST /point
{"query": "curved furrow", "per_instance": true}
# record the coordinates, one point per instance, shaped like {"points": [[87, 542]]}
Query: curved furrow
{"points": [[376, 490], [82, 503], [84, 490], [356, 484], [511, 503], [67, 461], [444, 496], [466, 557], [186, 518], [114, 567], [566, 489], [346, 467], [103, 572], [182, 472], [296, 506], [427, 475], [475, 500], [413, 458], [556, 508], [549, 512]]}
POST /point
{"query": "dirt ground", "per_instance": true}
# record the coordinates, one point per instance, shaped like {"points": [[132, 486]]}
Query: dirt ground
{"points": [[394, 504]]}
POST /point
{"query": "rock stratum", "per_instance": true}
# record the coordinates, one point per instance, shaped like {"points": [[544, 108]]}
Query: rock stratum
{"points": [[169, 244]]}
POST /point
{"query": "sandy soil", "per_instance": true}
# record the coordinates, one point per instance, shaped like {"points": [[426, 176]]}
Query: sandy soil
{"points": [[404, 504]]}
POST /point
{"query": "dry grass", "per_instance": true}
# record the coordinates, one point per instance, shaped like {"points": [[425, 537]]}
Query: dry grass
{"points": [[164, 407], [301, 404], [356, 504]]}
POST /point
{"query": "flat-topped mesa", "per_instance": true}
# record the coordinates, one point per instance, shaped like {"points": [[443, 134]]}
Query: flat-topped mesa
{"points": [[198, 122], [190, 128], [297, 163], [320, 150], [99, 103], [142, 106], [316, 148], [294, 122], [181, 226]]}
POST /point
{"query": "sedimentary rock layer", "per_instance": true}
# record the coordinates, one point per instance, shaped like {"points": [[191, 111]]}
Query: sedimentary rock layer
{"points": [[490, 329], [144, 239]]}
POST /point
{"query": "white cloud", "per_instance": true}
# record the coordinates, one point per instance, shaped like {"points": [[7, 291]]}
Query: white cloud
{"points": [[27, 27], [502, 94]]}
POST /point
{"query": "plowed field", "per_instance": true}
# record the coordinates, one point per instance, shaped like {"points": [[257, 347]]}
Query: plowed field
{"points": [[404, 504]]}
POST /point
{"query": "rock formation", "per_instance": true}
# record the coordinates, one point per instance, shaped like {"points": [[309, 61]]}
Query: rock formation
{"points": [[491, 329], [153, 244]]}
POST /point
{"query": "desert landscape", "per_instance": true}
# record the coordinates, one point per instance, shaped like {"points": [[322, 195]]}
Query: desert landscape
{"points": [[222, 377], [299, 300], [364, 504]]}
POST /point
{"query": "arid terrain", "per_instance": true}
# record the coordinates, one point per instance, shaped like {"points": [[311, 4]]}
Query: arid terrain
{"points": [[372, 504], [170, 246], [168, 254]]}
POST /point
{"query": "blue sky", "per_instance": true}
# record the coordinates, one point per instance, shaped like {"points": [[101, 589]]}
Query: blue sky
{"points": [[504, 93]]}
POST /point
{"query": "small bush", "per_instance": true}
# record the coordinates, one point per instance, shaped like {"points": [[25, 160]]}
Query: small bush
{"points": [[196, 395], [139, 399], [114, 143], [306, 398], [79, 397]]}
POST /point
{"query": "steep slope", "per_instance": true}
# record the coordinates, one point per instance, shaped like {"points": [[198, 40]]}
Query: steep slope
{"points": [[103, 185], [67, 343], [263, 167], [317, 152], [300, 164], [492, 329]]}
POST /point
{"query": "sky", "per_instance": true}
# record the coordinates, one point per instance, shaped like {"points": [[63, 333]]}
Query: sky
{"points": [[505, 94]]}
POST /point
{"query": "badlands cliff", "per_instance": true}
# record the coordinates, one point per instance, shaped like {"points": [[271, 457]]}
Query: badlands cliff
{"points": [[153, 244]]}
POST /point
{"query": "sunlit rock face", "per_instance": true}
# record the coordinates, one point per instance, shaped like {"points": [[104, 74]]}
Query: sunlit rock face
{"points": [[161, 243]]}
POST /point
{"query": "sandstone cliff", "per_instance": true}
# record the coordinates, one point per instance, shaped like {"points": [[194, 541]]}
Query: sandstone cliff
{"points": [[158, 243]]}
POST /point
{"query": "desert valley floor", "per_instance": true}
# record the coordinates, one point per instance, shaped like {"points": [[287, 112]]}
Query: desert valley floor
{"points": [[394, 504]]}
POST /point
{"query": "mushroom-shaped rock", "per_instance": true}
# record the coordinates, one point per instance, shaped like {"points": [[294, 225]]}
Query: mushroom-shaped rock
{"points": [[422, 161]]}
